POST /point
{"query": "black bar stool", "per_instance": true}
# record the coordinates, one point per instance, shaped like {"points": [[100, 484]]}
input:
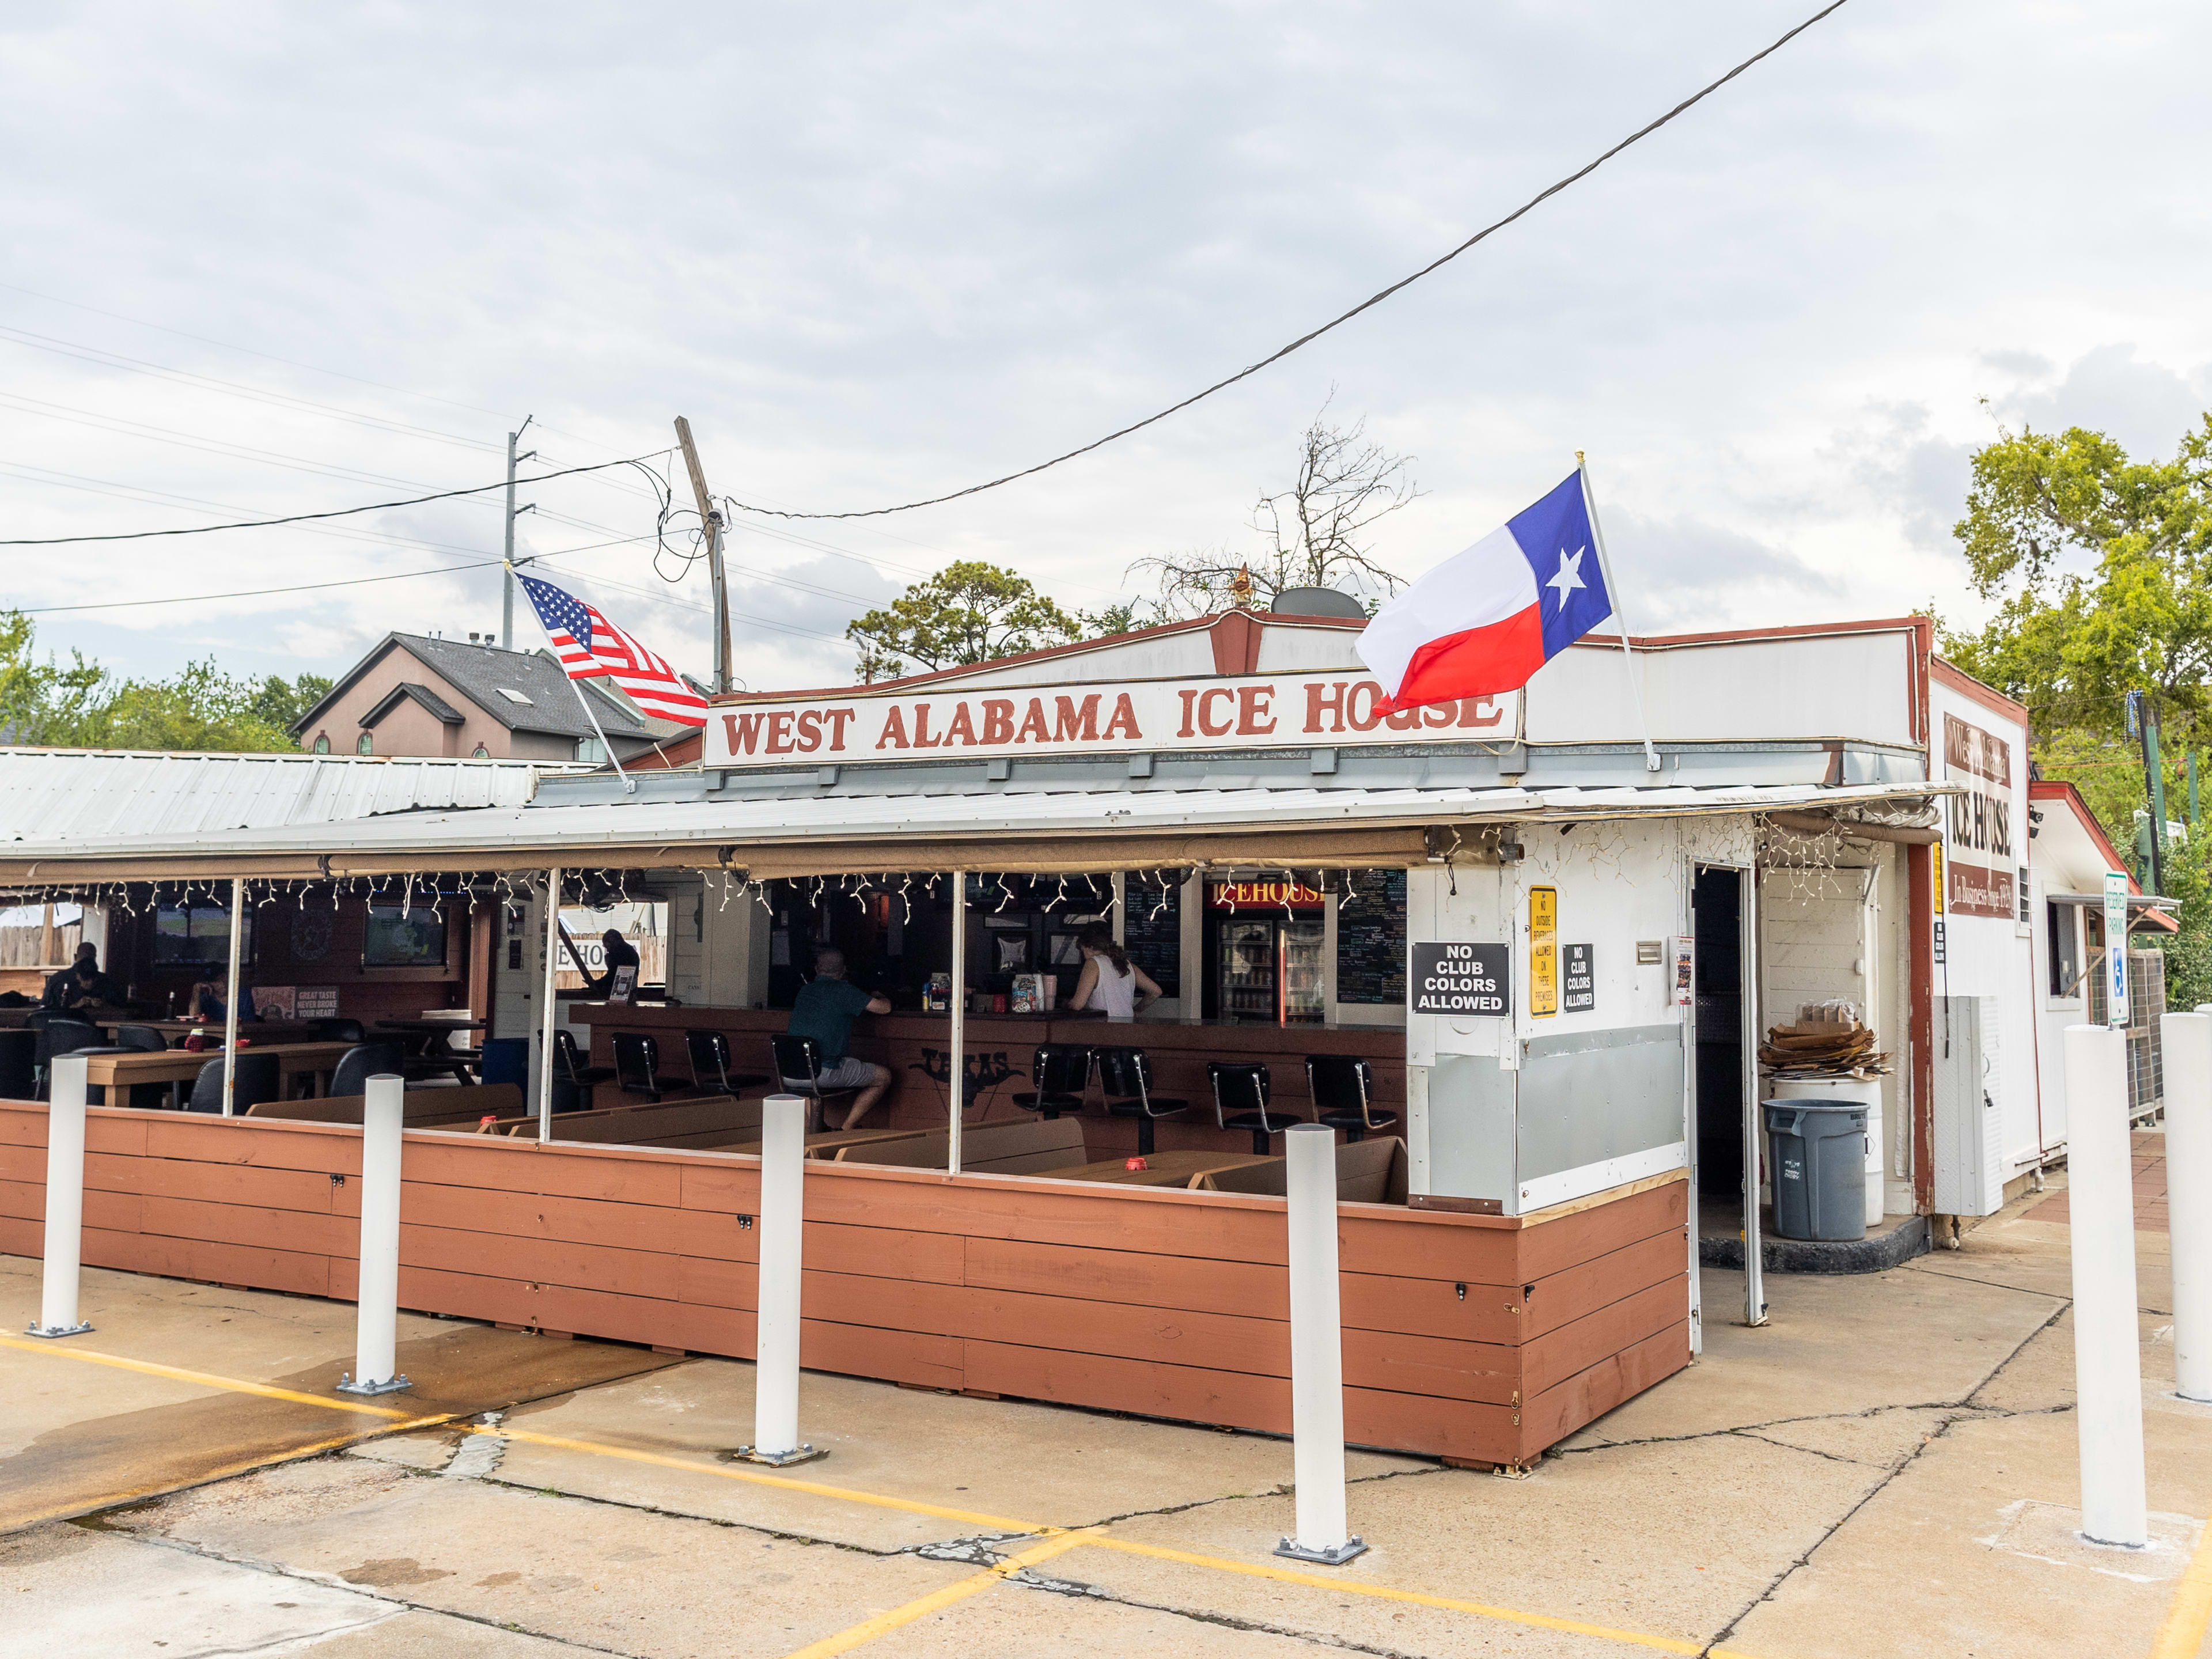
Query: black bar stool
{"points": [[1127, 1073], [1246, 1084], [799, 1064], [710, 1065], [637, 1065], [572, 1078], [1342, 1086], [1062, 1075]]}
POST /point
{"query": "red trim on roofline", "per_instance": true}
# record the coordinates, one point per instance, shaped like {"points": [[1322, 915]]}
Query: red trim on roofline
{"points": [[2058, 789], [1958, 679]]}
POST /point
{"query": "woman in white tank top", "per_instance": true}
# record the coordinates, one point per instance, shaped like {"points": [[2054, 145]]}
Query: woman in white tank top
{"points": [[1110, 983]]}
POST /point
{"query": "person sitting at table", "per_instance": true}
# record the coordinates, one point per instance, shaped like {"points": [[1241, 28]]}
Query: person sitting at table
{"points": [[206, 1002], [823, 1010], [621, 954], [1110, 983], [81, 982]]}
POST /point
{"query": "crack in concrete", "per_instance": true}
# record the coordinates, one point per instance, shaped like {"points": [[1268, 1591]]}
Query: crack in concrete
{"points": [[1223, 1621], [1960, 1411]]}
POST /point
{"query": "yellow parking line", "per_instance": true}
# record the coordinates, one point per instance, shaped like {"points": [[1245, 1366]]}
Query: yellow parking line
{"points": [[760, 1477], [2195, 1601], [1417, 1598], [2182, 1635], [230, 1384], [223, 1471], [884, 1623]]}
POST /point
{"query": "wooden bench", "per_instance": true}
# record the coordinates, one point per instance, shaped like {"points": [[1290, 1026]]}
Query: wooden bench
{"points": [[1367, 1172], [701, 1123], [985, 1149], [420, 1109]]}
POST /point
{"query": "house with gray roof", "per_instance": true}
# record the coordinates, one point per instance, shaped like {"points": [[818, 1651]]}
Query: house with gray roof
{"points": [[418, 694]]}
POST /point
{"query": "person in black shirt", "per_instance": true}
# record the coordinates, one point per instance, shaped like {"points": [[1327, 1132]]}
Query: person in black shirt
{"points": [[81, 982], [621, 953]]}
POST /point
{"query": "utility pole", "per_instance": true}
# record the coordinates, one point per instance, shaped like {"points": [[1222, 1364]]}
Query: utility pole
{"points": [[507, 575], [2142, 716], [713, 517]]}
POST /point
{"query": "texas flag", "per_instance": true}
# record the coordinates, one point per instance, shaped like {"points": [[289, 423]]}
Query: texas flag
{"points": [[1485, 620]]}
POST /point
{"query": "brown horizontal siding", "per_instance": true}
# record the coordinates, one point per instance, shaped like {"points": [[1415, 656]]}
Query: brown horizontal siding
{"points": [[1158, 1302]]}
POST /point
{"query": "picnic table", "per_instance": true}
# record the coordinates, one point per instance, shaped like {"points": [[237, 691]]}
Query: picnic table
{"points": [[179, 1067], [264, 1032], [429, 1047], [1176, 1168]]}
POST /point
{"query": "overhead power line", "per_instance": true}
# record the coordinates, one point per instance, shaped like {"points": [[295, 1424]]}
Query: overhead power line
{"points": [[1368, 304], [303, 518]]}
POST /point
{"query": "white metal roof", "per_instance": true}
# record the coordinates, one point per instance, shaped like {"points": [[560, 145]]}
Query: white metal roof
{"points": [[588, 831], [68, 797]]}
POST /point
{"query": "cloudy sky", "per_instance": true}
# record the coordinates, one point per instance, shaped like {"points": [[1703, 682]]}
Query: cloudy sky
{"points": [[265, 259]]}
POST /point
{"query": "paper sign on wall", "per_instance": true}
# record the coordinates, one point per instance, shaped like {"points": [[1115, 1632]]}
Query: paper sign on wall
{"points": [[1686, 971], [1543, 951], [1580, 975]]}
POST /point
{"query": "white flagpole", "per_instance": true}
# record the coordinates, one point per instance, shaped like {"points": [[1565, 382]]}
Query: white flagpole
{"points": [[629, 787], [1613, 593]]}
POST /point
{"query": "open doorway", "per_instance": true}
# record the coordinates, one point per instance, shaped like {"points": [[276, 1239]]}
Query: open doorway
{"points": [[1724, 1024]]}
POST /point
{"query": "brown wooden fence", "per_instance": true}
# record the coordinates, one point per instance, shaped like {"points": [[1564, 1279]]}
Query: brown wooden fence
{"points": [[1472, 1337]]}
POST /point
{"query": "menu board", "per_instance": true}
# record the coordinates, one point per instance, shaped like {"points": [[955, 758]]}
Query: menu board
{"points": [[1370, 939], [1151, 928]]}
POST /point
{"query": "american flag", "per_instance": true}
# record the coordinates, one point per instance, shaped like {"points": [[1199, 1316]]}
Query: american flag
{"points": [[592, 647]]}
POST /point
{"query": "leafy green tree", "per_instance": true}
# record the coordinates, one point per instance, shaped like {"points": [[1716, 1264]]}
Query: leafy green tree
{"points": [[968, 612], [2103, 567], [81, 705], [283, 706]]}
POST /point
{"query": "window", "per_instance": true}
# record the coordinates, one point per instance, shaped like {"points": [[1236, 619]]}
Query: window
{"points": [[367, 746], [481, 753], [196, 933], [2065, 948], [516, 696], [410, 936], [322, 742], [590, 749]]}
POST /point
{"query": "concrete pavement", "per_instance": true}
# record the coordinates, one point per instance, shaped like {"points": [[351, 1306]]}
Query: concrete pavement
{"points": [[1888, 1468]]}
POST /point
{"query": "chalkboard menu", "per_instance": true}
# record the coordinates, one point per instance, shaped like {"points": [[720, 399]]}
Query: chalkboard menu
{"points": [[1370, 939], [1151, 928]]}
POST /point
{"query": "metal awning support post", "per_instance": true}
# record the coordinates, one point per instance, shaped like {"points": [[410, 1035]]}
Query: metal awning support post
{"points": [[230, 997], [549, 1012], [957, 1085]]}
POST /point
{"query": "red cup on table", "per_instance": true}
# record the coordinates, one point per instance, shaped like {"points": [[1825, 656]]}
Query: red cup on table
{"points": [[1137, 1164]]}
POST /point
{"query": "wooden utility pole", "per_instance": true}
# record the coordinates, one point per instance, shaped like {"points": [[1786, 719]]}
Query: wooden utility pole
{"points": [[713, 518]]}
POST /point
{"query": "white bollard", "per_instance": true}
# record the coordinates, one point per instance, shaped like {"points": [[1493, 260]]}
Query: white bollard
{"points": [[1316, 1352], [376, 1315], [2189, 1196], [775, 1341], [2107, 1342], [65, 1199]]}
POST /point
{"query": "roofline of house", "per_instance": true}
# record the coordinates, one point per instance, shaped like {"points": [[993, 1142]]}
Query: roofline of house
{"points": [[2058, 789]]}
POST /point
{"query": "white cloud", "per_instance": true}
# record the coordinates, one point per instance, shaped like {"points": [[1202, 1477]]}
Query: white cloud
{"points": [[876, 255]]}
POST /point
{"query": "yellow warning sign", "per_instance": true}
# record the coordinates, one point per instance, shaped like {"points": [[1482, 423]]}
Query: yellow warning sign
{"points": [[1543, 951]]}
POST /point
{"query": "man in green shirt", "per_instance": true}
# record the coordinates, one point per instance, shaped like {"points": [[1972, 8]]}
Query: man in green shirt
{"points": [[824, 1010]]}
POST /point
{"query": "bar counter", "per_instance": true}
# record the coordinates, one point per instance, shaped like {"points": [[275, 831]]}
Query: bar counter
{"points": [[1179, 1050]]}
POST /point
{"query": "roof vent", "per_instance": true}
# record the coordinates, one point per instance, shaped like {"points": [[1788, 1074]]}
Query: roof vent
{"points": [[1316, 602], [516, 696]]}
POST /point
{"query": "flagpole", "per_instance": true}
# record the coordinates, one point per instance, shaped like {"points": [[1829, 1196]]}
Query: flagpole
{"points": [[629, 787], [1613, 593]]}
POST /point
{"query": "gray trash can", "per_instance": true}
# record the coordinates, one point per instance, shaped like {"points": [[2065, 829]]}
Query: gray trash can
{"points": [[1818, 1151]]}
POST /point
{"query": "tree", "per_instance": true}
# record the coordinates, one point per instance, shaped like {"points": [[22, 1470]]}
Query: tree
{"points": [[285, 707], [1313, 534], [2104, 566], [81, 705], [968, 612]]}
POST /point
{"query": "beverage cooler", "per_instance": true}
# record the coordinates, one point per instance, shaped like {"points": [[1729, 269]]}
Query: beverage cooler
{"points": [[1269, 970]]}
